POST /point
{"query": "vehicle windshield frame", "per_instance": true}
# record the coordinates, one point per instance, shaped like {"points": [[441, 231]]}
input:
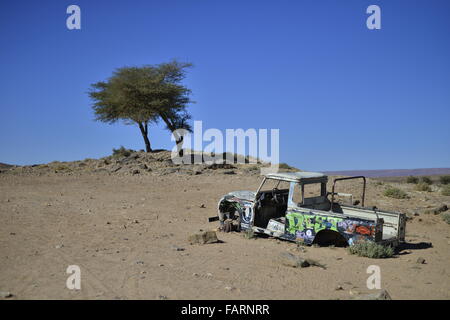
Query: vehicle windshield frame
{"points": [[293, 204]]}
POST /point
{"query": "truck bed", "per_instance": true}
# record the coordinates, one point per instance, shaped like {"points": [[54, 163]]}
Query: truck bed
{"points": [[393, 226]]}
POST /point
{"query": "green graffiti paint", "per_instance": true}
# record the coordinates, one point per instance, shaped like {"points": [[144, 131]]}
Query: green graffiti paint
{"points": [[304, 221]]}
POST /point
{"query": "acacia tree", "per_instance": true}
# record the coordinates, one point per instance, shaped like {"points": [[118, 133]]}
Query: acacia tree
{"points": [[144, 95]]}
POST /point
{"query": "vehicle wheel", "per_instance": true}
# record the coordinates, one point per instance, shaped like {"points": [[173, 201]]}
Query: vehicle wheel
{"points": [[330, 238]]}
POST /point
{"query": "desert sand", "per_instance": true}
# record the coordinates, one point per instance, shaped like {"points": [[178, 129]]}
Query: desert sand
{"points": [[127, 230]]}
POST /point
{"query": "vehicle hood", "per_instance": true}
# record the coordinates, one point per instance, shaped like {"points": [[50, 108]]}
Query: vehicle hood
{"points": [[244, 195]]}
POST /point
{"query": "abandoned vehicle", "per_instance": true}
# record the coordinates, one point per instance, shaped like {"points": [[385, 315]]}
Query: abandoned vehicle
{"points": [[297, 207]]}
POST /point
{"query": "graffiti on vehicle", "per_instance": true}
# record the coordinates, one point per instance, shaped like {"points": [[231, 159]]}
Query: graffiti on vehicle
{"points": [[304, 226]]}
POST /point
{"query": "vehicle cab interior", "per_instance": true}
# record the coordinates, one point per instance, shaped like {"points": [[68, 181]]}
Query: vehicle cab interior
{"points": [[280, 190]]}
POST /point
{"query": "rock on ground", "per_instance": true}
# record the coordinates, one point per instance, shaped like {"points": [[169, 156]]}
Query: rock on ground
{"points": [[380, 295], [290, 260], [5, 294], [203, 237], [421, 260]]}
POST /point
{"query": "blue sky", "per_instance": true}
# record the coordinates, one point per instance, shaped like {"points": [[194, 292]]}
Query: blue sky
{"points": [[343, 96]]}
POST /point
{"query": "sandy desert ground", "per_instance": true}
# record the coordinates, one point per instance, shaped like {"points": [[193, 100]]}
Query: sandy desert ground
{"points": [[128, 233]]}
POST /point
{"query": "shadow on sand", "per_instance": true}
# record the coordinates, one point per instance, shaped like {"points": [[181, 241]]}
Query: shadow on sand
{"points": [[413, 246]]}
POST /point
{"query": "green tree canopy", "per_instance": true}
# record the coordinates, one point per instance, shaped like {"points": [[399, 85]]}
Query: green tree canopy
{"points": [[144, 95]]}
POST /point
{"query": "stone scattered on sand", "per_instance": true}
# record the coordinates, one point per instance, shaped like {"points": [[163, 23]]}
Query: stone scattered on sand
{"points": [[5, 294], [437, 210], [354, 292], [316, 264], [421, 260], [203, 237], [116, 168], [380, 295], [290, 260], [202, 206]]}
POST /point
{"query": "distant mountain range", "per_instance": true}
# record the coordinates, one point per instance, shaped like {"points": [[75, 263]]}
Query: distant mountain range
{"points": [[391, 172]]}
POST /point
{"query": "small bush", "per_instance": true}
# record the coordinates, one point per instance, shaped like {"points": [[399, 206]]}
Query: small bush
{"points": [[444, 179], [446, 217], [427, 180], [249, 234], [412, 179], [446, 190], [423, 187], [121, 152], [371, 250], [285, 166], [395, 193]]}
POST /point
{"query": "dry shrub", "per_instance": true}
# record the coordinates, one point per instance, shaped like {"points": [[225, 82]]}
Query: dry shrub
{"points": [[423, 187], [395, 193], [371, 250]]}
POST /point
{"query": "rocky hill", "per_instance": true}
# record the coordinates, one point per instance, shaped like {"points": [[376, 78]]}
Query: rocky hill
{"points": [[132, 163]]}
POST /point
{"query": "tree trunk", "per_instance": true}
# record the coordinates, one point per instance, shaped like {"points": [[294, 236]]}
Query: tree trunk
{"points": [[178, 139], [144, 132]]}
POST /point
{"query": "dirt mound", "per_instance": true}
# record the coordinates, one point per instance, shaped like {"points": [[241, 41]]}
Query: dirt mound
{"points": [[134, 163]]}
